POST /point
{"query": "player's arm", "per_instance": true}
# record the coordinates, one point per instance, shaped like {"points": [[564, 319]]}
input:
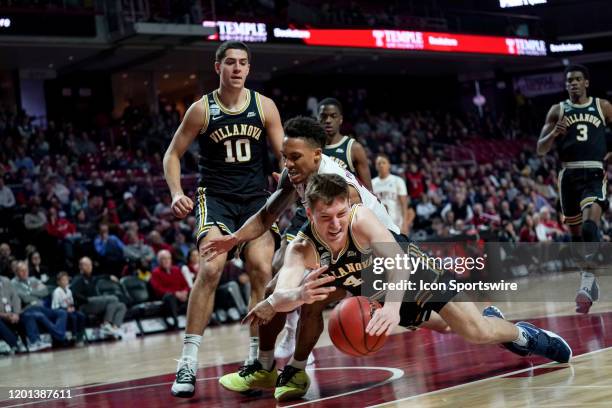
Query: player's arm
{"points": [[186, 133], [354, 197], [259, 222], [407, 215], [291, 289], [554, 127], [274, 128], [361, 164], [606, 108], [370, 232]]}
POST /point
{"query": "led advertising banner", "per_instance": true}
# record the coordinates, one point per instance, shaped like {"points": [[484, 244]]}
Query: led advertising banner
{"points": [[378, 38], [56, 25], [414, 40]]}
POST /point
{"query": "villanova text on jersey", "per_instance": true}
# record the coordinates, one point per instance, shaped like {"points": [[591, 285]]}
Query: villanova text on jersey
{"points": [[233, 149], [585, 140]]}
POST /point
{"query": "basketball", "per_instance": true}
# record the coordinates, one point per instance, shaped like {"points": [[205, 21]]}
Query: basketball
{"points": [[347, 325]]}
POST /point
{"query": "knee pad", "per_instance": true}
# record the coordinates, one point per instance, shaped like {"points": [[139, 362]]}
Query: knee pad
{"points": [[590, 231]]}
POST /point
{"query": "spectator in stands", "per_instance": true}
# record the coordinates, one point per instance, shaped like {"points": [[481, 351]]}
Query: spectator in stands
{"points": [[7, 198], [110, 249], [131, 210], [84, 226], [136, 250], [416, 182], [191, 268], [107, 307], [170, 285], [6, 259], [460, 208], [157, 242], [180, 248], [32, 292], [35, 219], [36, 269], [79, 202], [62, 299], [10, 308], [527, 232]]}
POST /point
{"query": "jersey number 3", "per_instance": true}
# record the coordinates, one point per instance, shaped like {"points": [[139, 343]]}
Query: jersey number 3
{"points": [[241, 152], [583, 130]]}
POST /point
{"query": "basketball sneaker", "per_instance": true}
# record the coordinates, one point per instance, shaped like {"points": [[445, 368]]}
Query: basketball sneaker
{"points": [[544, 343], [492, 311], [292, 384], [250, 377], [184, 384], [587, 294]]}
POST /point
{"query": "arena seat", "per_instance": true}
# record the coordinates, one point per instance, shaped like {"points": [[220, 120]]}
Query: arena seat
{"points": [[141, 305]]}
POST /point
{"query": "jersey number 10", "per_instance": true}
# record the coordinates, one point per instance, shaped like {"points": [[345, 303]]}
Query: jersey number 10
{"points": [[240, 153]]}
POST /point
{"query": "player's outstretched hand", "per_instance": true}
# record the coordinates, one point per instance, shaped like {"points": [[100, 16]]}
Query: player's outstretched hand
{"points": [[181, 205], [262, 313], [561, 127], [385, 319], [313, 289], [217, 246]]}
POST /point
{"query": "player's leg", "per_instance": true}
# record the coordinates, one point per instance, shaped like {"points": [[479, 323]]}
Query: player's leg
{"points": [[593, 201], [261, 372], [211, 215], [523, 338], [293, 382]]}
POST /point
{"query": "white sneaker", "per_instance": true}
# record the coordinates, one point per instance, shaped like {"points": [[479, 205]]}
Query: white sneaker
{"points": [[38, 345], [286, 347], [184, 384]]}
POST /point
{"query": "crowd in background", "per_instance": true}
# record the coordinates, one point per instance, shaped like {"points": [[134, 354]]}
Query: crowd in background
{"points": [[77, 204]]}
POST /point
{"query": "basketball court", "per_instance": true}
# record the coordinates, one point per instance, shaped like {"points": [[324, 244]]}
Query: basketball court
{"points": [[421, 368]]}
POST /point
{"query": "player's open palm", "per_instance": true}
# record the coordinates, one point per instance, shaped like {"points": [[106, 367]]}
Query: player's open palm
{"points": [[313, 289], [384, 320], [217, 246], [181, 206]]}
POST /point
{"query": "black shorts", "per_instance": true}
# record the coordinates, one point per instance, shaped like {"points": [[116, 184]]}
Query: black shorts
{"points": [[580, 188], [297, 222], [226, 214], [418, 305]]}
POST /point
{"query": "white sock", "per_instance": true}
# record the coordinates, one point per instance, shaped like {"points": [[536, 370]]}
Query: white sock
{"points": [[292, 320], [521, 339], [253, 349], [191, 344], [301, 364], [266, 358], [587, 281]]}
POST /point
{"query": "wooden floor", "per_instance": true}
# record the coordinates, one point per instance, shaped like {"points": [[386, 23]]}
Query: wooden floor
{"points": [[421, 369]]}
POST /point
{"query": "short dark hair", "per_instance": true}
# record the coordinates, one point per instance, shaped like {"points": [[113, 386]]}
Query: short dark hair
{"points": [[306, 128], [231, 45], [326, 188], [331, 101], [579, 68]]}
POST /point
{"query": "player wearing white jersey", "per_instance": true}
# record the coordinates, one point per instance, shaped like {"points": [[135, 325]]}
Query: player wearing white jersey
{"points": [[391, 191]]}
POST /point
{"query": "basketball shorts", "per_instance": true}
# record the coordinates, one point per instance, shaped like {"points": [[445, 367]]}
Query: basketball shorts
{"points": [[580, 188], [226, 214], [297, 222], [418, 304]]}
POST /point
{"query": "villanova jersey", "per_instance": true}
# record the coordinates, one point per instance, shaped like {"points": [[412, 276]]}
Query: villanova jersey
{"points": [[233, 148], [348, 264], [369, 200], [585, 140], [341, 153]]}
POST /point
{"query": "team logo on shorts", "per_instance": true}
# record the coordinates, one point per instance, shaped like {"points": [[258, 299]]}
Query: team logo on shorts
{"points": [[214, 109]]}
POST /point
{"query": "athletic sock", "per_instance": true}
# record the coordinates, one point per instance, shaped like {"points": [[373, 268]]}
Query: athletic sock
{"points": [[521, 339], [253, 349], [191, 344], [301, 364], [266, 358]]}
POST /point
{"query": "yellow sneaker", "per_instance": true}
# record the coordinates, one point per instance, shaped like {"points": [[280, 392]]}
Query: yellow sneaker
{"points": [[292, 384], [250, 377]]}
